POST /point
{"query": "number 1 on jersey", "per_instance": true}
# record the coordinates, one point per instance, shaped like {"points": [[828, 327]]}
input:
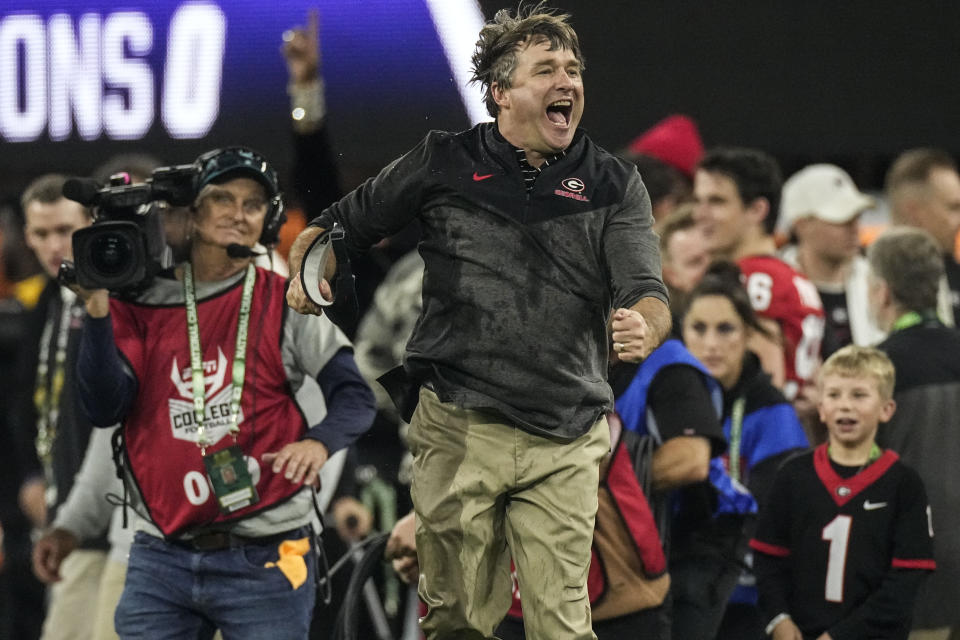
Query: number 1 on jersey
{"points": [[837, 533]]}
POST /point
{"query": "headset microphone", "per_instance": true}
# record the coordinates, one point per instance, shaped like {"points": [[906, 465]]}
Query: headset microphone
{"points": [[235, 250]]}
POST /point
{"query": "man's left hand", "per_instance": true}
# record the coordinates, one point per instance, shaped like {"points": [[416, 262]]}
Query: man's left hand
{"points": [[402, 548], [302, 460], [630, 335], [96, 301], [49, 553]]}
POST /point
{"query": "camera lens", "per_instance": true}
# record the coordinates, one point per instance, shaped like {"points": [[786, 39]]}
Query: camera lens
{"points": [[111, 254]]}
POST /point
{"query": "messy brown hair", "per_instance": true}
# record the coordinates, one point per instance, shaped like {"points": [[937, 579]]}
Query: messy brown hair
{"points": [[495, 56]]}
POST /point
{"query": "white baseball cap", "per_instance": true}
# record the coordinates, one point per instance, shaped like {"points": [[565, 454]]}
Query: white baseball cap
{"points": [[822, 191]]}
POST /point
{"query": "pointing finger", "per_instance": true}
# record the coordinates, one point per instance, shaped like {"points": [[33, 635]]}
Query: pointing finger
{"points": [[313, 23]]}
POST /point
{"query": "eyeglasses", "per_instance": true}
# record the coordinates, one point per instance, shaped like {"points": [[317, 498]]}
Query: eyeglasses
{"points": [[222, 199]]}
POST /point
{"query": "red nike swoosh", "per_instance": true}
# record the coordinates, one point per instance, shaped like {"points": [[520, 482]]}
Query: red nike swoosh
{"points": [[478, 178]]}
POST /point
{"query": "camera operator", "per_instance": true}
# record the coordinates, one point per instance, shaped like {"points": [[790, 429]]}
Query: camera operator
{"points": [[53, 429], [201, 368]]}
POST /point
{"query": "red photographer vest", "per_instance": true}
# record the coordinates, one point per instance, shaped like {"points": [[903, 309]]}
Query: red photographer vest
{"points": [[160, 432]]}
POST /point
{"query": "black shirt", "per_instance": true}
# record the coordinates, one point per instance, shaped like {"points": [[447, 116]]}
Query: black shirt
{"points": [[680, 402], [837, 332], [682, 406], [843, 549]]}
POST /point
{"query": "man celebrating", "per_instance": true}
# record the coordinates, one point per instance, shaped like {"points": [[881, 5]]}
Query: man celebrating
{"points": [[532, 235], [220, 456]]}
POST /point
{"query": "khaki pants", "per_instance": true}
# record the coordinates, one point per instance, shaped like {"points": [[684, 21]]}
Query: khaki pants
{"points": [[483, 490], [111, 586], [74, 599], [935, 634]]}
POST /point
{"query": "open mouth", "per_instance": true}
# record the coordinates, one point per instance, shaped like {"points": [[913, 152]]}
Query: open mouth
{"points": [[846, 422], [713, 364], [559, 112]]}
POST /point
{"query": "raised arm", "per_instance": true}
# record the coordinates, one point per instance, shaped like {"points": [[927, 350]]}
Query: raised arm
{"points": [[641, 321], [315, 173], [107, 389], [378, 208]]}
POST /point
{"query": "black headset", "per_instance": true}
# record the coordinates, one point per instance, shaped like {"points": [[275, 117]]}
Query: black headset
{"points": [[218, 163]]}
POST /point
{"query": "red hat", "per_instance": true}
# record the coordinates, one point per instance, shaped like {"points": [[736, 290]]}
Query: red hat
{"points": [[674, 141]]}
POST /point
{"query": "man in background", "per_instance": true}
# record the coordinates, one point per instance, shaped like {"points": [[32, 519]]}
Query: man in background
{"points": [[56, 432], [737, 194], [667, 155], [906, 267], [821, 206], [684, 255], [923, 187]]}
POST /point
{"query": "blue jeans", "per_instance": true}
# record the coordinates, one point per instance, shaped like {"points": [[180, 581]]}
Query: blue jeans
{"points": [[174, 592]]}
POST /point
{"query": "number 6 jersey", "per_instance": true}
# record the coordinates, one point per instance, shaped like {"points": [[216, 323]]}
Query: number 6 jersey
{"points": [[843, 549], [782, 294]]}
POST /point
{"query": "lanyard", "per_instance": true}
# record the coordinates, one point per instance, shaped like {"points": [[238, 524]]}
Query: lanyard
{"points": [[912, 319], [736, 434], [875, 453], [46, 395], [196, 357]]}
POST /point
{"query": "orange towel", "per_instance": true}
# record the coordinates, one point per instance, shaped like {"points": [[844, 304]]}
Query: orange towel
{"points": [[291, 561]]}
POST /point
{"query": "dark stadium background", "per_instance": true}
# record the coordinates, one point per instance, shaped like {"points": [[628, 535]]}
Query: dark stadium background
{"points": [[853, 82]]}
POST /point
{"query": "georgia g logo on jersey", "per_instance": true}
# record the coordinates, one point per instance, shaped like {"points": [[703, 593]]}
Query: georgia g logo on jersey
{"points": [[216, 411]]}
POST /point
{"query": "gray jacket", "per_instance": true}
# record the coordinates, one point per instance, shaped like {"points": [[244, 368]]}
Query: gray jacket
{"points": [[518, 287]]}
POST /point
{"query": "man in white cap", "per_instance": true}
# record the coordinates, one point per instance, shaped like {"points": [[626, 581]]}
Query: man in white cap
{"points": [[821, 206]]}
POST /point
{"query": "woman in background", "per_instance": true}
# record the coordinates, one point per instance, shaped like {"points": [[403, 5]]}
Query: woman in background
{"points": [[761, 427]]}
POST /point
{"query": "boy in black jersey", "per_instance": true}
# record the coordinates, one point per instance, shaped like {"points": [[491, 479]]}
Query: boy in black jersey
{"points": [[845, 538]]}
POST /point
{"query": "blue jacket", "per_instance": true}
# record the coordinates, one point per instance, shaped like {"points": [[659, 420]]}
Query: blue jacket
{"points": [[632, 408]]}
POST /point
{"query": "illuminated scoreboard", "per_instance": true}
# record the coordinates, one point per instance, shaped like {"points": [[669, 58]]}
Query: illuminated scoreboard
{"points": [[93, 69], [95, 77]]}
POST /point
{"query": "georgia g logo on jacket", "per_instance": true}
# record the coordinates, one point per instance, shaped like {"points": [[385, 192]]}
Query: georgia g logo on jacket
{"points": [[572, 188]]}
